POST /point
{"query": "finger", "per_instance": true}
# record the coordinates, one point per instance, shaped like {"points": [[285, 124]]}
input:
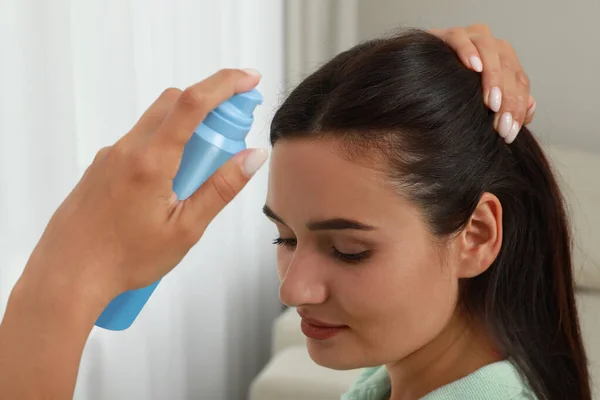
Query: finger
{"points": [[155, 114], [200, 208], [459, 40], [516, 91], [197, 101], [518, 106], [506, 121], [531, 105], [492, 71], [481, 29], [510, 118]]}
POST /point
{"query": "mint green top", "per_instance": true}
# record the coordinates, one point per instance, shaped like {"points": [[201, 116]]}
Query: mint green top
{"points": [[497, 381]]}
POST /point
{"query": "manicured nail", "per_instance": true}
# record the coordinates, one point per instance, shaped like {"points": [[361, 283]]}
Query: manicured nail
{"points": [[531, 109], [514, 131], [254, 161], [252, 71], [505, 125], [476, 63], [495, 100]]}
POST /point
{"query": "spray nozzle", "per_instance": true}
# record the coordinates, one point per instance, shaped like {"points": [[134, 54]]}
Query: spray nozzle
{"points": [[233, 118], [246, 102]]}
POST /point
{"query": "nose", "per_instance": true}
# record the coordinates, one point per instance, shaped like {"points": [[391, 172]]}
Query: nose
{"points": [[303, 282]]}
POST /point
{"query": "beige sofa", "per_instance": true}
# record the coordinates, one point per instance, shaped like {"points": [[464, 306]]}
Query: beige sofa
{"points": [[292, 375]]}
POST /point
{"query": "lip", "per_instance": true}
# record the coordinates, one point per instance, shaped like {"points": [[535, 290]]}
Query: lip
{"points": [[319, 330]]}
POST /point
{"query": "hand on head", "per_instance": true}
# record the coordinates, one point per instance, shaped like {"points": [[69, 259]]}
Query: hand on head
{"points": [[506, 87]]}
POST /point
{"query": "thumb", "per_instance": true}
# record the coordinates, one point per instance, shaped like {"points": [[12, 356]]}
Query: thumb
{"points": [[223, 186]]}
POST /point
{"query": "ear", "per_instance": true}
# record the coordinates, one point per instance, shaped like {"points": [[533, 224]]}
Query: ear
{"points": [[480, 241]]}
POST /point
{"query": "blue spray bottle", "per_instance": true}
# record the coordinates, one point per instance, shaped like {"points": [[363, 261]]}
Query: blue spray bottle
{"points": [[216, 140]]}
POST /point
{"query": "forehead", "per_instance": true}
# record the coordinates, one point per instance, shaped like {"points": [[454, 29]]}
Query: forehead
{"points": [[311, 179]]}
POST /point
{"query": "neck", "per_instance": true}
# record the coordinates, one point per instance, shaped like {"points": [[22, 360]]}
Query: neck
{"points": [[459, 350]]}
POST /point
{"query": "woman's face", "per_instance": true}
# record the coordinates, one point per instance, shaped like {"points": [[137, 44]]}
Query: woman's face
{"points": [[355, 254]]}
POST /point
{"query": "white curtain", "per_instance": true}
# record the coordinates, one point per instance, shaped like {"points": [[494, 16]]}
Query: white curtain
{"points": [[74, 76]]}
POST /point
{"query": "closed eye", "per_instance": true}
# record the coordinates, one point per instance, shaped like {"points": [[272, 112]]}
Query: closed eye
{"points": [[289, 243], [350, 258]]}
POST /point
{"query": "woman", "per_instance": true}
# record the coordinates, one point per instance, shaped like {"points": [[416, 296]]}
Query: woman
{"points": [[413, 237], [410, 221]]}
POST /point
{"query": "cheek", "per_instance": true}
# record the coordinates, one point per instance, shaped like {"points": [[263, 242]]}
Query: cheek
{"points": [[428, 292], [405, 302]]}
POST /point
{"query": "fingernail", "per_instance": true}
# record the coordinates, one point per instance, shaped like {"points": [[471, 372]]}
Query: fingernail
{"points": [[531, 109], [514, 131], [252, 71], [254, 161], [495, 99], [476, 63], [505, 125]]}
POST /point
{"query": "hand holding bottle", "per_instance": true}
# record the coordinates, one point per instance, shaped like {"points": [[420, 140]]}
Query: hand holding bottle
{"points": [[123, 227]]}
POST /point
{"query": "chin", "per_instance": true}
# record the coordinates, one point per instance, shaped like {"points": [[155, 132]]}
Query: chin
{"points": [[332, 355]]}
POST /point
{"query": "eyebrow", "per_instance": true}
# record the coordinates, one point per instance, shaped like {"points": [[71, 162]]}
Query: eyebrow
{"points": [[333, 224]]}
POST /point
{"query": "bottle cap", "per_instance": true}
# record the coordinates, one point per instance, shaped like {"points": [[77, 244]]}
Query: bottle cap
{"points": [[233, 118]]}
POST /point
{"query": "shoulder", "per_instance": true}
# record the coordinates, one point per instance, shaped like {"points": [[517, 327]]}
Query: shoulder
{"points": [[372, 384], [497, 381]]}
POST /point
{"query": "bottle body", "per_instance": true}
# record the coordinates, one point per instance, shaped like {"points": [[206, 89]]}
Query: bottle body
{"points": [[218, 138], [200, 160]]}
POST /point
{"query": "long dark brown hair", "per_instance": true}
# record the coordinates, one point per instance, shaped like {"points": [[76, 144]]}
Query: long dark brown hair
{"points": [[409, 100]]}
